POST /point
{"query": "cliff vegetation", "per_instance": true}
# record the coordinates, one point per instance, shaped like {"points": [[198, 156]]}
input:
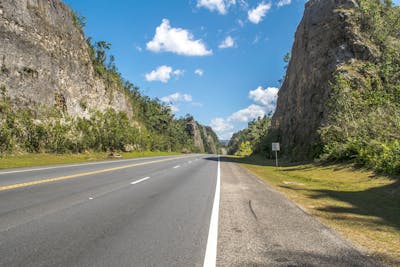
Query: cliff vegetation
{"points": [[364, 120], [340, 100], [65, 93]]}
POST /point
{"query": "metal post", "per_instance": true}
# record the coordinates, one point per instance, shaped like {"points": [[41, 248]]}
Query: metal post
{"points": [[276, 158]]}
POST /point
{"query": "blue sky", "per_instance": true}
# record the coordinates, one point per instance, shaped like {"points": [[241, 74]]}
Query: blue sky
{"points": [[219, 60]]}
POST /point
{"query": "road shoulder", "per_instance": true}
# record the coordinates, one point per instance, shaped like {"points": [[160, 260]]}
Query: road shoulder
{"points": [[260, 227]]}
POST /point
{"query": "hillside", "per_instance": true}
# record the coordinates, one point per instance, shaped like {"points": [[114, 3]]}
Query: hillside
{"points": [[340, 97], [61, 92]]}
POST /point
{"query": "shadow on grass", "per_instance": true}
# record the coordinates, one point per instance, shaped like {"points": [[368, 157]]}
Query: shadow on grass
{"points": [[382, 202]]}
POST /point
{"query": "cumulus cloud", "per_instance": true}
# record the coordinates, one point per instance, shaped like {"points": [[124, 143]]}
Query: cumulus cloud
{"points": [[176, 40], [177, 97], [174, 100], [221, 6], [221, 125], [227, 43], [173, 108], [163, 74], [266, 97], [257, 14], [199, 72], [248, 114], [283, 3]]}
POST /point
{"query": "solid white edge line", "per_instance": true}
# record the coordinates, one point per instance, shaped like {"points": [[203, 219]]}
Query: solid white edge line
{"points": [[140, 180], [210, 258]]}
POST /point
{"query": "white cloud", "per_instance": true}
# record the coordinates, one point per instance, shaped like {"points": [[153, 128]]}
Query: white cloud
{"points": [[199, 72], [163, 74], [225, 136], [178, 73], [176, 40], [240, 22], [221, 6], [177, 97], [264, 102], [256, 15], [174, 108], [221, 125], [266, 97], [227, 43], [284, 3], [247, 114]]}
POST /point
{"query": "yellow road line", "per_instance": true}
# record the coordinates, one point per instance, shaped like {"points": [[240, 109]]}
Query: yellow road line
{"points": [[55, 179]]}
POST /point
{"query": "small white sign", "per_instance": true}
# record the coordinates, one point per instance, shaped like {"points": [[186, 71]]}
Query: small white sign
{"points": [[276, 147]]}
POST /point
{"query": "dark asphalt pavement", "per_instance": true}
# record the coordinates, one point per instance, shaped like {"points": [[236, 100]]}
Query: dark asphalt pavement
{"points": [[142, 212]]}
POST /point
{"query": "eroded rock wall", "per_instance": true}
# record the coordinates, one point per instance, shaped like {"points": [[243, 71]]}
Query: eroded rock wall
{"points": [[44, 59], [326, 39]]}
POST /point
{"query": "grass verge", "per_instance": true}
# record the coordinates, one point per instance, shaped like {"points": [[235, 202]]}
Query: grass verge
{"points": [[30, 160], [360, 205]]}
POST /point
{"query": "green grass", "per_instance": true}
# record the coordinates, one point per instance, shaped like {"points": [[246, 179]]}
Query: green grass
{"points": [[29, 160], [360, 205]]}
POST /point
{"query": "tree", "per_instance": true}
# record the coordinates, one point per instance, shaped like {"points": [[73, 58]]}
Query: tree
{"points": [[100, 51], [245, 149]]}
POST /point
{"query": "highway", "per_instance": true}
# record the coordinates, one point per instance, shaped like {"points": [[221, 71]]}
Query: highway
{"points": [[139, 212], [186, 210]]}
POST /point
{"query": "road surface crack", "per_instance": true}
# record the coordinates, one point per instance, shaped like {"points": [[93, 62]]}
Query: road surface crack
{"points": [[252, 210]]}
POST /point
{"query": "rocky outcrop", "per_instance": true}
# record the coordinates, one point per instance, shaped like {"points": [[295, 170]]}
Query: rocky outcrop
{"points": [[192, 128], [204, 138], [326, 39], [44, 59]]}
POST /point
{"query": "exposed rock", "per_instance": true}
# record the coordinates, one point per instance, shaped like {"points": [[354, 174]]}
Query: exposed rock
{"points": [[192, 128], [327, 38], [204, 138], [113, 155], [45, 59]]}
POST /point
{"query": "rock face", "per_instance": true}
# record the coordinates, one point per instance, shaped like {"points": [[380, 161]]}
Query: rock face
{"points": [[192, 128], [326, 39], [204, 138], [45, 59]]}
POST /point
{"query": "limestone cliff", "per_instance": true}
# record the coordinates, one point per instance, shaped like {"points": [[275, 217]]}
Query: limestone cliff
{"points": [[45, 59], [204, 138], [326, 40]]}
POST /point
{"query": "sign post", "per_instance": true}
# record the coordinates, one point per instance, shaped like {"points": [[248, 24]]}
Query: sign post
{"points": [[276, 147]]}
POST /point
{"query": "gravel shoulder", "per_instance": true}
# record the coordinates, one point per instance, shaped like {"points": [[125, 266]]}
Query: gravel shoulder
{"points": [[258, 226]]}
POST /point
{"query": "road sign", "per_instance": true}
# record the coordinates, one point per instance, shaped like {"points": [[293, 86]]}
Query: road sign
{"points": [[276, 147]]}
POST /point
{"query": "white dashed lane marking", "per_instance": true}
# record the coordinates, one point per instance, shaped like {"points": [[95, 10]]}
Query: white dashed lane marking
{"points": [[140, 180]]}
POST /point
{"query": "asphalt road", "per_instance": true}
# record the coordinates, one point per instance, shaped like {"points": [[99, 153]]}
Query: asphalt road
{"points": [[162, 211], [141, 212]]}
